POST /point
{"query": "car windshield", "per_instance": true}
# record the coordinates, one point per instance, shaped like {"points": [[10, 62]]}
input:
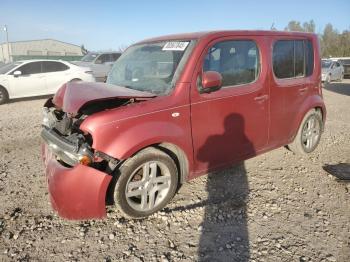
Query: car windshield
{"points": [[8, 67], [326, 63], [89, 57], [151, 67]]}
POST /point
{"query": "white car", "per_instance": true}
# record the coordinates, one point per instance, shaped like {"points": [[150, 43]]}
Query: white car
{"points": [[331, 70], [38, 77]]}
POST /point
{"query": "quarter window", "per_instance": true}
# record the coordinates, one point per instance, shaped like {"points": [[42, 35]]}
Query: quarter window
{"points": [[237, 61], [293, 58]]}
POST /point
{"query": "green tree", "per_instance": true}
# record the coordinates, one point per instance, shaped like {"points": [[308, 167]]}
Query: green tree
{"points": [[294, 26], [309, 26], [330, 42]]}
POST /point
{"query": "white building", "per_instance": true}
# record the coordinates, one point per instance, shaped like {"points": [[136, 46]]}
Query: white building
{"points": [[45, 48]]}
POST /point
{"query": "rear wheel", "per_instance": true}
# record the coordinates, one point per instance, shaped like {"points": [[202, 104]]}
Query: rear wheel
{"points": [[147, 182], [309, 134], [4, 96]]}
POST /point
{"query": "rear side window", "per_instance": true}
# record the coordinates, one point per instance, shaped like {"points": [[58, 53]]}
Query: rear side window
{"points": [[30, 68], [115, 56], [51, 66], [237, 61], [293, 58]]}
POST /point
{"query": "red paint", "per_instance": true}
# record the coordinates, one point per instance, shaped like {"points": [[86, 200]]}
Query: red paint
{"points": [[211, 79], [75, 193], [73, 95], [213, 129]]}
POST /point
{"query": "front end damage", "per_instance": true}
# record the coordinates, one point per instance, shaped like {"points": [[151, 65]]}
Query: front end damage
{"points": [[77, 176]]}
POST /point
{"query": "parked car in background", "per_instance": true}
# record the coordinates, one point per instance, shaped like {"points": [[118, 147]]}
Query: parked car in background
{"points": [[345, 61], [332, 70], [177, 107], [100, 63], [38, 77]]}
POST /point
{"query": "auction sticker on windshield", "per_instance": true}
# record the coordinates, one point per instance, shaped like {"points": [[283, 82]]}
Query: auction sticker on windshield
{"points": [[175, 46]]}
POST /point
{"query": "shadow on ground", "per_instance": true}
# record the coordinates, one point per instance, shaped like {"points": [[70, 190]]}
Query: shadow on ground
{"points": [[342, 88], [340, 171]]}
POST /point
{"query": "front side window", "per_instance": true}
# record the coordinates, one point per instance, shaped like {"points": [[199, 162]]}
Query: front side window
{"points": [[30, 68], [293, 58], [237, 61], [151, 67], [51, 66]]}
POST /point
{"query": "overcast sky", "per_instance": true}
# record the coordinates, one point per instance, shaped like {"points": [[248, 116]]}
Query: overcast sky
{"points": [[103, 25]]}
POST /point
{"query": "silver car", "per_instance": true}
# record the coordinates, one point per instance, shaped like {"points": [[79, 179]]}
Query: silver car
{"points": [[332, 70], [100, 63]]}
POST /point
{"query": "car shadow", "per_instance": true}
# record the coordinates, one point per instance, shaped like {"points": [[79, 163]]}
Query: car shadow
{"points": [[340, 171], [224, 230], [342, 88]]}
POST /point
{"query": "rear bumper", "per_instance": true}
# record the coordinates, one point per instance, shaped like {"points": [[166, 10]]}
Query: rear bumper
{"points": [[78, 192]]}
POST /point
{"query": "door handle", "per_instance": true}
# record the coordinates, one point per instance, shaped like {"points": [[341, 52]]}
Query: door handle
{"points": [[302, 90], [261, 98]]}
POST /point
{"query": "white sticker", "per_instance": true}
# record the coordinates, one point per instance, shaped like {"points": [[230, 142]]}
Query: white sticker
{"points": [[175, 46]]}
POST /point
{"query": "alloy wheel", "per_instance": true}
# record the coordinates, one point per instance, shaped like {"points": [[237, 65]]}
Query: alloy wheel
{"points": [[311, 133], [148, 185]]}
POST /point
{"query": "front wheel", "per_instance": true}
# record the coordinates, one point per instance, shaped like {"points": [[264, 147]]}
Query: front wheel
{"points": [[147, 182], [4, 96], [309, 134]]}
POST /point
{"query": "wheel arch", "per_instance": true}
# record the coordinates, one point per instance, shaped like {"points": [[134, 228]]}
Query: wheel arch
{"points": [[6, 90], [314, 102]]}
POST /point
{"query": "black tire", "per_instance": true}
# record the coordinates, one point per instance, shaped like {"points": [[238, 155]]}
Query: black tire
{"points": [[134, 168], [298, 145], [4, 96]]}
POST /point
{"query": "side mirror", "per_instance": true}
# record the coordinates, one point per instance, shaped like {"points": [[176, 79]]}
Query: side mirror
{"points": [[98, 61], [211, 81], [17, 73]]}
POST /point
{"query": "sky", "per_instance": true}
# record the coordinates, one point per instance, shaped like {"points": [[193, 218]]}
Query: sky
{"points": [[108, 25]]}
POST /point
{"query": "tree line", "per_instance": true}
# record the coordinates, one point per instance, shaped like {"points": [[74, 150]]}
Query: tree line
{"points": [[333, 43]]}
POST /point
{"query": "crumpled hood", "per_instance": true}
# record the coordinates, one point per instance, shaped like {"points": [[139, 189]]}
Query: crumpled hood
{"points": [[74, 95]]}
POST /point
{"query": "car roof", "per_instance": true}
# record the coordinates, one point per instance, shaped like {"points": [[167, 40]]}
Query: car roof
{"points": [[199, 35], [101, 53], [40, 60]]}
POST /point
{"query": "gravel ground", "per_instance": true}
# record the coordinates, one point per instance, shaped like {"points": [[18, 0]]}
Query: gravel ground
{"points": [[275, 207]]}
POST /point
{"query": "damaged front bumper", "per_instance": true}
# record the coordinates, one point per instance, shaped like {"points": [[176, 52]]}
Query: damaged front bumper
{"points": [[77, 192]]}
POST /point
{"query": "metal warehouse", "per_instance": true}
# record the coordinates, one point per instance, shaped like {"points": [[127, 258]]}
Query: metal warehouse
{"points": [[44, 48]]}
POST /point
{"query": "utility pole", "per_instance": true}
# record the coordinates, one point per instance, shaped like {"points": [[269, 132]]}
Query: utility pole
{"points": [[7, 42]]}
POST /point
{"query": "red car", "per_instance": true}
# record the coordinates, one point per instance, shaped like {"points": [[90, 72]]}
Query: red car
{"points": [[177, 107]]}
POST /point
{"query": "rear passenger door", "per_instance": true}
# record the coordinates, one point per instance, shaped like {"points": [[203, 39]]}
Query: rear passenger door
{"points": [[293, 61], [232, 123], [56, 74]]}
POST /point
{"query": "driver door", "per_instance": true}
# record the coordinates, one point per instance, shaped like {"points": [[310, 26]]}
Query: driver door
{"points": [[31, 82], [230, 124]]}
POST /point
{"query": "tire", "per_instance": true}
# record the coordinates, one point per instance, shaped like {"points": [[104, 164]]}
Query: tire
{"points": [[4, 95], [309, 134], [134, 194]]}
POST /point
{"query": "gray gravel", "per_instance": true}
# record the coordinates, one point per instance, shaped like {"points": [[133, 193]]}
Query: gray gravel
{"points": [[275, 207]]}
